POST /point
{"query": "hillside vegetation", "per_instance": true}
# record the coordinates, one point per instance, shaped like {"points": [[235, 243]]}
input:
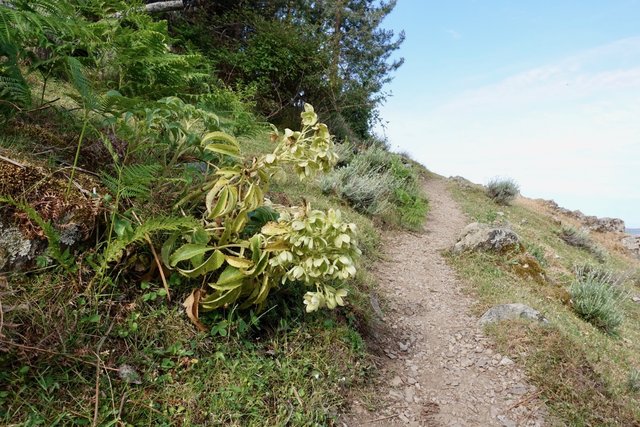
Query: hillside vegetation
{"points": [[165, 250], [585, 362]]}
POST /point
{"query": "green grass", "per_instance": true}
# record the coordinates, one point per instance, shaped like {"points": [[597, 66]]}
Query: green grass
{"points": [[581, 371], [60, 348], [278, 367], [294, 370]]}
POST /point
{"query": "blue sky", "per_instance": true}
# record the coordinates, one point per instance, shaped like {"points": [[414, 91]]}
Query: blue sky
{"points": [[544, 92]]}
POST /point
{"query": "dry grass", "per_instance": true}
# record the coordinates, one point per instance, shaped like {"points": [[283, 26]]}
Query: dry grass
{"points": [[581, 372]]}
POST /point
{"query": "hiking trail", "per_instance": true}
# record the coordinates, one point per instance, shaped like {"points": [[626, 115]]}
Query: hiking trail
{"points": [[437, 366]]}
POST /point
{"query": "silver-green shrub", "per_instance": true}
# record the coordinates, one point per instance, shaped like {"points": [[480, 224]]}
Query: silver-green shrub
{"points": [[502, 191], [597, 301]]}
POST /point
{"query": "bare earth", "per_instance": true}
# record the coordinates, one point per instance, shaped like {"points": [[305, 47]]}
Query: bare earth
{"points": [[438, 367]]}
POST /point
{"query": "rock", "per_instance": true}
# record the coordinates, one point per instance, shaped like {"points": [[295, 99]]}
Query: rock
{"points": [[593, 223], [505, 361], [511, 312], [636, 299], [601, 225], [632, 243], [16, 251], [396, 381], [477, 236]]}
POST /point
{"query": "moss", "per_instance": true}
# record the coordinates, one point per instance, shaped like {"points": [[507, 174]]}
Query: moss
{"points": [[527, 266]]}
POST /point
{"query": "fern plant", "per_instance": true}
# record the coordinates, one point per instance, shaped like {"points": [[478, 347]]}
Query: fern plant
{"points": [[40, 34], [132, 181]]}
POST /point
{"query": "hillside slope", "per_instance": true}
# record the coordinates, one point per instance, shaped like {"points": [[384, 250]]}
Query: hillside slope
{"points": [[585, 365]]}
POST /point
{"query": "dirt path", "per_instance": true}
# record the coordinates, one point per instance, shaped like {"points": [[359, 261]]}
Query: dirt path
{"points": [[439, 368]]}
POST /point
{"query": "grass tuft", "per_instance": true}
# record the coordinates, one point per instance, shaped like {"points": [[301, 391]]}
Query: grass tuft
{"points": [[633, 382]]}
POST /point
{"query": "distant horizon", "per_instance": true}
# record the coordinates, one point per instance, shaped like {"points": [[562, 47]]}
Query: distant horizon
{"points": [[598, 213], [543, 93]]}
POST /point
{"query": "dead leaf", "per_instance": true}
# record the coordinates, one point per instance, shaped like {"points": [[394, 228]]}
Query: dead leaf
{"points": [[191, 305]]}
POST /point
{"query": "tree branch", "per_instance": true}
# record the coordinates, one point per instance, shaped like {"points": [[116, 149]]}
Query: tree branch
{"points": [[164, 6]]}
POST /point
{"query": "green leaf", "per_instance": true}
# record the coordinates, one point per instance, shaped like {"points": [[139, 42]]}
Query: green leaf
{"points": [[188, 251], [212, 263], [220, 136], [225, 149], [230, 278]]}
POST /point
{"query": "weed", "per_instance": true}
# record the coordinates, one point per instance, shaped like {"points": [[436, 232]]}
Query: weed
{"points": [[538, 253], [502, 191], [596, 301], [633, 381]]}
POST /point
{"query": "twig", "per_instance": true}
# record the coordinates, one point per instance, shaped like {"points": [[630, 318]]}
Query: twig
{"points": [[156, 258], [21, 110], [384, 418], [55, 353], [122, 400], [13, 162], [1, 319], [98, 370], [295, 392], [521, 401]]}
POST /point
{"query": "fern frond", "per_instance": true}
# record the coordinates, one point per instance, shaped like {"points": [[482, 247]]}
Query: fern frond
{"points": [[151, 226], [134, 181], [81, 83]]}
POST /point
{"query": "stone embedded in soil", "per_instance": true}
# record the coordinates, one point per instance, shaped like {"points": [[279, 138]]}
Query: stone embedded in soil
{"points": [[511, 312], [477, 236]]}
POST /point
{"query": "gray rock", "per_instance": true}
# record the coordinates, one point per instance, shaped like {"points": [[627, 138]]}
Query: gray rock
{"points": [[602, 225], [15, 249], [591, 222], [632, 243], [511, 312], [477, 236]]}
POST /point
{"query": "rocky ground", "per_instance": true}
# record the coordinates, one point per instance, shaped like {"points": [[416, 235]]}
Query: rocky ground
{"points": [[438, 367]]}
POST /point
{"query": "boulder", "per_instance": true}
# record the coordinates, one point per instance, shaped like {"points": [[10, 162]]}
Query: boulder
{"points": [[632, 243], [593, 223], [602, 225], [477, 236], [511, 312]]}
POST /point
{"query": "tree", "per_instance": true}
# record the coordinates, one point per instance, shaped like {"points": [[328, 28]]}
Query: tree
{"points": [[331, 53]]}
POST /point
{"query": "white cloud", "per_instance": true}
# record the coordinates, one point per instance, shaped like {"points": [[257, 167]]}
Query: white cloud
{"points": [[568, 130], [454, 34]]}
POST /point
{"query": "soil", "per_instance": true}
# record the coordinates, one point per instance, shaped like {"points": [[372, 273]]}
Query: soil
{"points": [[437, 366]]}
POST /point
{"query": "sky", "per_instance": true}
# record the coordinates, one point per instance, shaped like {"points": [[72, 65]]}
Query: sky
{"points": [[545, 92]]}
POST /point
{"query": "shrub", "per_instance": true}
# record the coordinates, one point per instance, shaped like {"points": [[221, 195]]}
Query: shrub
{"points": [[502, 191], [580, 239], [596, 301], [575, 237], [378, 183], [601, 274]]}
